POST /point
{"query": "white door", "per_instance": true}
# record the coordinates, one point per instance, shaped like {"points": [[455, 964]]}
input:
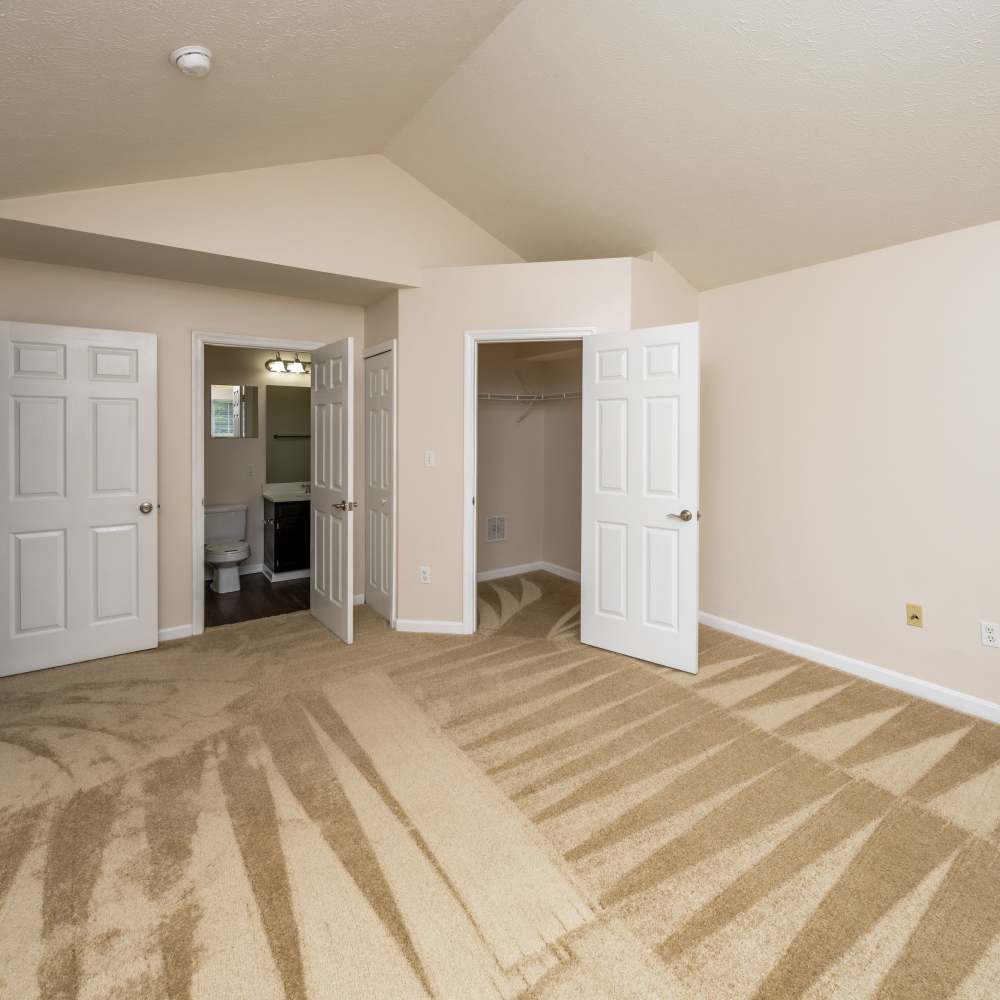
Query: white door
{"points": [[380, 476], [331, 596], [639, 546], [78, 511]]}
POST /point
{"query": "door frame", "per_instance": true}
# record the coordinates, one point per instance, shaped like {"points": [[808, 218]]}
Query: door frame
{"points": [[473, 338], [385, 347], [199, 340]]}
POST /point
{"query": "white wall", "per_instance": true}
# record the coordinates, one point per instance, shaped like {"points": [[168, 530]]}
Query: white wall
{"points": [[851, 432]]}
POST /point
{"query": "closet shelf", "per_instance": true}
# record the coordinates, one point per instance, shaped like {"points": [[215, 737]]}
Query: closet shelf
{"points": [[556, 355], [529, 397]]}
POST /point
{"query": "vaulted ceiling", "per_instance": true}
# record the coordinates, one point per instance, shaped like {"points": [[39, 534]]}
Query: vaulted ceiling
{"points": [[88, 97], [737, 138]]}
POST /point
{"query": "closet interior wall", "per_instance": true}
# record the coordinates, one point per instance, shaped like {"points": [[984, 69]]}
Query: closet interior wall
{"points": [[529, 455]]}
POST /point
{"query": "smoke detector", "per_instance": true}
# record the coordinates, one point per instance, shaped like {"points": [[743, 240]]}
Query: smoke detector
{"points": [[192, 60]]}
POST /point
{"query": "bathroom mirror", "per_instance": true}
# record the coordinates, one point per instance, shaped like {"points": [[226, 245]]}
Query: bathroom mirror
{"points": [[287, 419], [233, 411]]}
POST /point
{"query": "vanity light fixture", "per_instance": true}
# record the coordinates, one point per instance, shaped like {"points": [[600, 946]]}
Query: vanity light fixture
{"points": [[279, 366]]}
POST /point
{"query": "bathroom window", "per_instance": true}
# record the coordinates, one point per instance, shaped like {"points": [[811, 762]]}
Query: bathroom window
{"points": [[223, 418]]}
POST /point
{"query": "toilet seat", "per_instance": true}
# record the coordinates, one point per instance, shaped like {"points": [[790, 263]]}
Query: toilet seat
{"points": [[227, 550]]}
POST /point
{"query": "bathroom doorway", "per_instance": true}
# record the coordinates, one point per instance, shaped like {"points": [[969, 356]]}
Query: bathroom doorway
{"points": [[251, 478], [256, 483]]}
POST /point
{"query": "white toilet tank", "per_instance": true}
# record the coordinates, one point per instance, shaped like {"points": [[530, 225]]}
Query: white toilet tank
{"points": [[225, 522]]}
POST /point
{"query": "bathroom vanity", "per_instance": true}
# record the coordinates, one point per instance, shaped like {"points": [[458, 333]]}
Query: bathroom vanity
{"points": [[286, 538]]}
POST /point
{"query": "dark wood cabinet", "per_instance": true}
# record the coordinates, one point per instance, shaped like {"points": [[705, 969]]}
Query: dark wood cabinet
{"points": [[286, 535]]}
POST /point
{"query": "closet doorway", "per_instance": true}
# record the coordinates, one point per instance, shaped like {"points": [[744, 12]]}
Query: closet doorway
{"points": [[634, 465], [528, 486]]}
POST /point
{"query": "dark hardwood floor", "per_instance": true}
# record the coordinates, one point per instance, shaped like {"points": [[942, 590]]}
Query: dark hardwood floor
{"points": [[256, 598]]}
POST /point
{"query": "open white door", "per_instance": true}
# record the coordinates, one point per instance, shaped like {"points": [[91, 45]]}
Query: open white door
{"points": [[78, 510], [639, 546], [380, 481], [332, 591]]}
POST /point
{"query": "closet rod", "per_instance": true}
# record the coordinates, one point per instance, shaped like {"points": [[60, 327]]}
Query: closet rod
{"points": [[520, 397]]}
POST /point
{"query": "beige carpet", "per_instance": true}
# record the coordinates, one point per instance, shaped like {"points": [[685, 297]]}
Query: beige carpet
{"points": [[264, 813]]}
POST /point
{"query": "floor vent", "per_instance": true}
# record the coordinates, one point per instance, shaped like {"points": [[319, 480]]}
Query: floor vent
{"points": [[496, 528]]}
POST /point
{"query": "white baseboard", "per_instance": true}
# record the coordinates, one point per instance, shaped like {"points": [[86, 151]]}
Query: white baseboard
{"points": [[359, 599], [296, 574], [566, 574], [439, 628], [928, 690], [175, 632], [496, 574]]}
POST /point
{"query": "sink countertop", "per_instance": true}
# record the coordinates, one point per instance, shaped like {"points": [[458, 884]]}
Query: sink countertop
{"points": [[284, 494]]}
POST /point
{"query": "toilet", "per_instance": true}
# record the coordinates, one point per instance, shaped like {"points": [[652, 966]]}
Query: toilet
{"points": [[225, 544]]}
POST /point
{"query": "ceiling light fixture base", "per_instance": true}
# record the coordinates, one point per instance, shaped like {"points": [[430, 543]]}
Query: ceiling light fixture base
{"points": [[192, 60]]}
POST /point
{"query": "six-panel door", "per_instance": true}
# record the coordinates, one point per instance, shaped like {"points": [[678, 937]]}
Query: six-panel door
{"points": [[331, 594], [79, 424], [639, 559], [380, 462]]}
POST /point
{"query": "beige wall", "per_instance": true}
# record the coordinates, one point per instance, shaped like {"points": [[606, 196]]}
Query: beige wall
{"points": [[510, 482], [236, 468], [361, 216], [511, 463], [529, 470], [432, 324], [562, 473], [660, 294], [851, 420], [43, 293], [382, 320]]}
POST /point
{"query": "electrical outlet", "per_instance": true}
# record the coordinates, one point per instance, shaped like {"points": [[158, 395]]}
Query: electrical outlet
{"points": [[990, 632], [430, 459], [915, 615], [425, 574]]}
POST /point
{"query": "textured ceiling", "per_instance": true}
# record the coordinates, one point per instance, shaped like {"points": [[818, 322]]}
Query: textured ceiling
{"points": [[737, 138], [88, 97]]}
